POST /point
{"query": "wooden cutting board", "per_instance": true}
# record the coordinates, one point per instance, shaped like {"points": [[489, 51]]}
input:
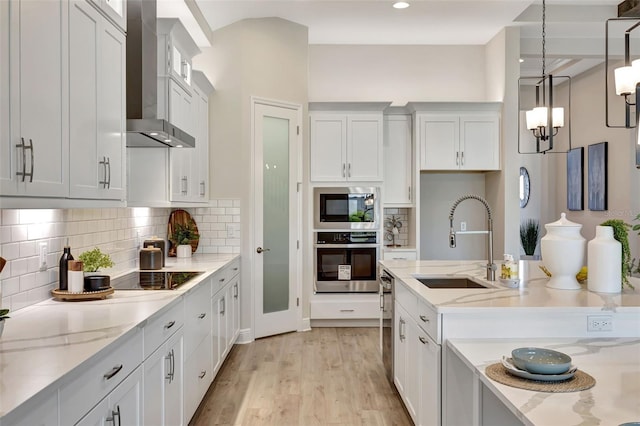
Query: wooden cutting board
{"points": [[180, 217]]}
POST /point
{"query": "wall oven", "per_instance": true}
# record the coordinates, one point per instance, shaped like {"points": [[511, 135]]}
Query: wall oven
{"points": [[346, 262], [346, 208]]}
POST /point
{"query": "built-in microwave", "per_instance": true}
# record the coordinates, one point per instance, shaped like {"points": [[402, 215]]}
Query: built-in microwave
{"points": [[346, 208]]}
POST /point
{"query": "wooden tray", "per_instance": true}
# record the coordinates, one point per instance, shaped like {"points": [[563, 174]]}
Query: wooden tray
{"points": [[180, 217], [85, 295]]}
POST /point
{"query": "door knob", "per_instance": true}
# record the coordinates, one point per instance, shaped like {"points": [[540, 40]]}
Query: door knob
{"points": [[260, 250]]}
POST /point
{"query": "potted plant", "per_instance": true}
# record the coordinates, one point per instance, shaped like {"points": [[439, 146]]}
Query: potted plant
{"points": [[621, 233], [3, 316], [182, 236], [529, 238], [92, 262]]}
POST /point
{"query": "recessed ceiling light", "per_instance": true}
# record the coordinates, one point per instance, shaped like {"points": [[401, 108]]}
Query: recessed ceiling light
{"points": [[401, 5]]}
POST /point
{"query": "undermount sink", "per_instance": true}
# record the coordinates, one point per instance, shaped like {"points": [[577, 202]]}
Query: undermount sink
{"points": [[450, 283]]}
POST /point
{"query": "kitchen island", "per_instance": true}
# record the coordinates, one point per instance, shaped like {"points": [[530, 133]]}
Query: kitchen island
{"points": [[47, 346], [426, 318]]}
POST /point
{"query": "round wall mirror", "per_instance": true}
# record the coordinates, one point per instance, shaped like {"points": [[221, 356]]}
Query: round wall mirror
{"points": [[525, 187]]}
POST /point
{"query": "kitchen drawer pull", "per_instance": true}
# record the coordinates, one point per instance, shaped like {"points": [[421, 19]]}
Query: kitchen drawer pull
{"points": [[424, 318], [401, 329], [409, 193], [201, 316], [223, 304], [423, 340], [169, 324], [347, 310], [202, 374], [30, 148], [349, 174], [103, 163], [344, 170], [235, 291], [185, 185], [23, 173], [113, 372], [462, 158], [221, 280], [113, 416], [202, 188], [168, 376], [108, 165]]}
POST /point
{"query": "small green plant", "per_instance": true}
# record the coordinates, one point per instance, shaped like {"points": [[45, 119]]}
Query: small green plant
{"points": [[3, 314], [635, 267], [621, 234], [93, 260], [529, 236], [184, 233]]}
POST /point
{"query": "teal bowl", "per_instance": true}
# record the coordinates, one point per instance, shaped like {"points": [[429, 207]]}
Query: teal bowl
{"points": [[541, 361]]}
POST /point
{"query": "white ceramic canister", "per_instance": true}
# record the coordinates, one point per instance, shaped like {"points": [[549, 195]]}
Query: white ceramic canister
{"points": [[562, 251], [604, 262]]}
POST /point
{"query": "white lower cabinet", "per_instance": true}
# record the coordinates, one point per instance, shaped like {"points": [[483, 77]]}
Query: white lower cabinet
{"points": [[198, 375], [40, 412], [417, 360], [123, 406], [163, 383]]}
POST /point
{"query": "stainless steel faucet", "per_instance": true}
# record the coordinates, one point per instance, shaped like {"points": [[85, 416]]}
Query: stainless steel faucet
{"points": [[491, 267]]}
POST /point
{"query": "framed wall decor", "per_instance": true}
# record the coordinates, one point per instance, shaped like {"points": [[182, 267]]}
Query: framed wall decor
{"points": [[575, 179], [598, 179]]}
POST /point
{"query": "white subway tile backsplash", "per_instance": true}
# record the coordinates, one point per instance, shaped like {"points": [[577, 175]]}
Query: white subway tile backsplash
{"points": [[113, 230]]}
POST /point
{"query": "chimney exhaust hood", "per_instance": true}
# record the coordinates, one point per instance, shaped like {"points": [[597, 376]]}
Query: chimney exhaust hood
{"points": [[144, 128]]}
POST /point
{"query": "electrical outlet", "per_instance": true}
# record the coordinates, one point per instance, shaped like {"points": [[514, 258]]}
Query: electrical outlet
{"points": [[600, 323], [43, 257], [463, 226]]}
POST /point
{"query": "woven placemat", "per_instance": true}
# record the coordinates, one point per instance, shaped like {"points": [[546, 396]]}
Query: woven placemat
{"points": [[580, 381]]}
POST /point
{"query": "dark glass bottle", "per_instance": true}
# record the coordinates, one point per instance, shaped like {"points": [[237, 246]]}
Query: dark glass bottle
{"points": [[64, 268]]}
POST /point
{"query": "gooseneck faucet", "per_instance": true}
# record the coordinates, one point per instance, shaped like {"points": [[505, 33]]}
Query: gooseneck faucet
{"points": [[491, 267]]}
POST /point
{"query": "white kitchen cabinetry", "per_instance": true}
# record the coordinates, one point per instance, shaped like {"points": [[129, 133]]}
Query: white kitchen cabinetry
{"points": [[39, 412], [346, 147], [400, 254], [122, 406], [163, 368], [35, 160], [459, 140], [115, 10], [398, 161], [417, 356], [97, 57], [190, 167]]}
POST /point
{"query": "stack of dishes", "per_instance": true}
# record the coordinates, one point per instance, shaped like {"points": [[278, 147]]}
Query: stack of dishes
{"points": [[539, 364]]}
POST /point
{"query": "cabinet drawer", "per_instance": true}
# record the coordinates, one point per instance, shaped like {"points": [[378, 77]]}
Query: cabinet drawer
{"points": [[400, 255], [198, 375], [346, 310], [197, 317], [162, 326], [99, 378], [222, 277], [428, 320]]}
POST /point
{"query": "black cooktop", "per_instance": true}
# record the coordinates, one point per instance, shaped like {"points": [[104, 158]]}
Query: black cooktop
{"points": [[152, 280]]}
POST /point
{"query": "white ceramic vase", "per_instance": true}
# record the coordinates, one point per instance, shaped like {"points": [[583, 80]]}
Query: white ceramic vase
{"points": [[604, 262], [562, 251], [183, 250]]}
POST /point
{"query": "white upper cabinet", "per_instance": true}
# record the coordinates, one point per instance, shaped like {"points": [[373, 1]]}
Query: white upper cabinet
{"points": [[35, 155], [468, 140], [115, 10], [398, 161], [97, 52], [346, 147]]}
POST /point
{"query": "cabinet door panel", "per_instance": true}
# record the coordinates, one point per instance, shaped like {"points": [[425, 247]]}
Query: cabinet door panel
{"points": [[126, 399], [154, 377], [364, 148], [38, 72], [398, 164], [173, 394], [439, 136], [479, 136], [429, 379], [328, 145]]}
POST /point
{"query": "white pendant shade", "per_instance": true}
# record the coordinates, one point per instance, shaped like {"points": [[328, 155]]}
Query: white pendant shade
{"points": [[557, 117], [627, 78], [537, 117]]}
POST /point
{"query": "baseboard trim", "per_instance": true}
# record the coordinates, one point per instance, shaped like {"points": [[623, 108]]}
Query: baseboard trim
{"points": [[305, 324], [345, 323], [245, 336]]}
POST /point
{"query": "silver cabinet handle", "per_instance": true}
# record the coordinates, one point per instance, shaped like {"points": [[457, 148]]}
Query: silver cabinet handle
{"points": [[401, 329], [201, 316], [423, 340], [23, 173], [344, 170], [173, 364], [347, 310], [30, 148], [235, 291], [235, 269], [349, 174], [457, 158], [185, 185], [104, 166], [202, 188], [108, 166], [169, 324], [113, 416], [223, 305], [462, 158], [115, 370], [202, 374], [382, 302], [409, 193], [221, 280], [424, 318], [260, 250], [168, 376]]}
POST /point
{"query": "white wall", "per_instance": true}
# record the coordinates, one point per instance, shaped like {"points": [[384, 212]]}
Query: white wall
{"points": [[396, 73]]}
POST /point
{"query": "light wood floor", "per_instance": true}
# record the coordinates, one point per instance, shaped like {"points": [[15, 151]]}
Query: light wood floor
{"points": [[327, 376]]}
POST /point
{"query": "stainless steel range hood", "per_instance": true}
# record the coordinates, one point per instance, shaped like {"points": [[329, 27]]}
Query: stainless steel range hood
{"points": [[144, 128]]}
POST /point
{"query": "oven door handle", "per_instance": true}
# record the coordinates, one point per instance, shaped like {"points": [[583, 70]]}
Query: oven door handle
{"points": [[347, 245]]}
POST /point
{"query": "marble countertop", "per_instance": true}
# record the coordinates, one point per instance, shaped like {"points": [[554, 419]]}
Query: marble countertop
{"points": [[532, 293], [44, 342], [613, 362]]}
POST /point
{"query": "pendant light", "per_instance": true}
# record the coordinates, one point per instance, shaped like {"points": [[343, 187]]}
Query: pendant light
{"points": [[545, 119]]}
